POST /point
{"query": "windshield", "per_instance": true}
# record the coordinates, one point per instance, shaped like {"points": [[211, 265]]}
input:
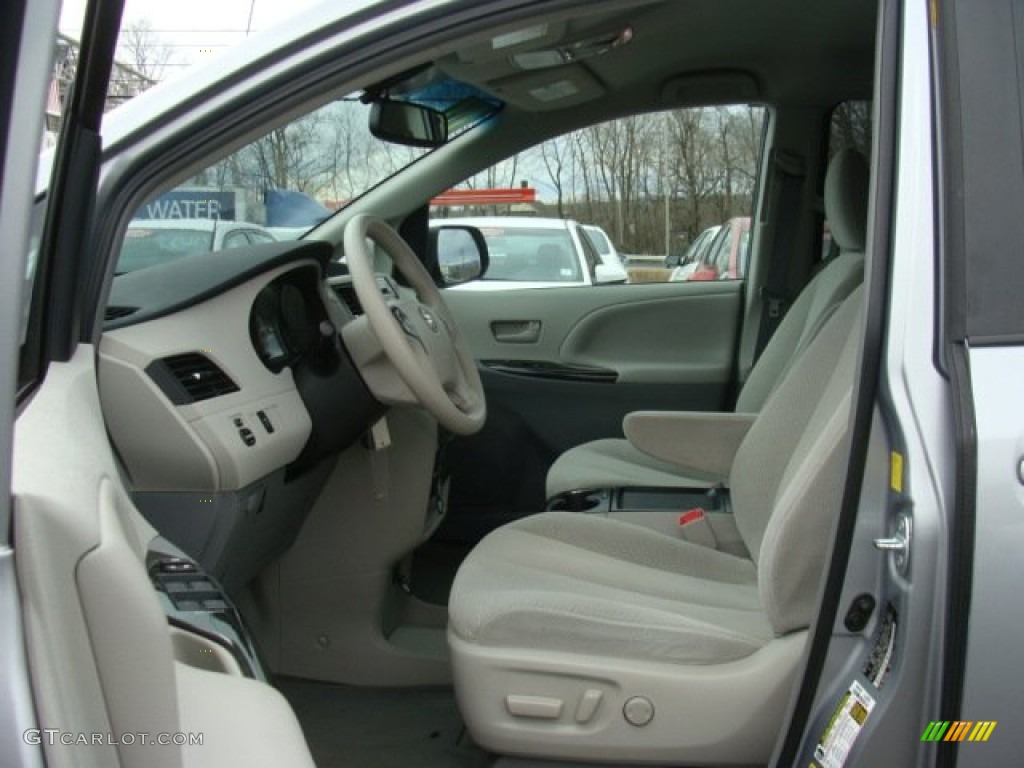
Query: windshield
{"points": [[144, 246], [295, 176]]}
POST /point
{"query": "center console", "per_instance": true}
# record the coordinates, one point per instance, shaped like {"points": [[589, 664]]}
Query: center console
{"points": [[701, 515]]}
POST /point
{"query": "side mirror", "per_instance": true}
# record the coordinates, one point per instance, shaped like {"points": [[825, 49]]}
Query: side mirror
{"points": [[460, 253], [401, 122], [609, 273]]}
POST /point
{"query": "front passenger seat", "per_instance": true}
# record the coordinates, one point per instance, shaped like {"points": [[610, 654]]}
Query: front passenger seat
{"points": [[575, 636], [616, 463]]}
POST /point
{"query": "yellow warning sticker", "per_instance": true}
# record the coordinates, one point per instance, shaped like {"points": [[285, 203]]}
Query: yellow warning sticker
{"points": [[896, 471], [842, 730]]}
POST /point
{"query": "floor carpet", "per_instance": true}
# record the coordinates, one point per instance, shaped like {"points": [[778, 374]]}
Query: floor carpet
{"points": [[349, 727]]}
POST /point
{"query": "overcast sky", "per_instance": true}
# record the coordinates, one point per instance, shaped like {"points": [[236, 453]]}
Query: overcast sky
{"points": [[193, 28]]}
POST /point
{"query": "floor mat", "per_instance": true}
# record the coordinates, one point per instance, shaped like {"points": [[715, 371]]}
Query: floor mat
{"points": [[349, 727]]}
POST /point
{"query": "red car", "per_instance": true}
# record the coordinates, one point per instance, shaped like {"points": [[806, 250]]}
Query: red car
{"points": [[726, 258]]}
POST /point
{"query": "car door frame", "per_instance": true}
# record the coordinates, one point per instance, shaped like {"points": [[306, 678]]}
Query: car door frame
{"points": [[25, 70], [35, 280]]}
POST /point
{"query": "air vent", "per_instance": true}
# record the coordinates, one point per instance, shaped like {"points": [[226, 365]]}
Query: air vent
{"points": [[114, 312], [190, 378]]}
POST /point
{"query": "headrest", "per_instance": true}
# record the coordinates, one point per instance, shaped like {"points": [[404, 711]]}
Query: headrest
{"points": [[846, 199]]}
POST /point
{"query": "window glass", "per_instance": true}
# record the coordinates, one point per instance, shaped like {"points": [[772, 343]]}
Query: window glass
{"points": [[259, 237], [531, 254], [235, 239], [599, 240], [146, 245], [850, 126], [296, 175], [643, 188], [278, 187]]}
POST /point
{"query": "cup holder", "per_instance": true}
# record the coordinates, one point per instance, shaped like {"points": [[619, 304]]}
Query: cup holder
{"points": [[580, 501]]}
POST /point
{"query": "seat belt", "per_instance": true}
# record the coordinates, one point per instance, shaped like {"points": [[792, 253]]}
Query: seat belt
{"points": [[788, 183]]}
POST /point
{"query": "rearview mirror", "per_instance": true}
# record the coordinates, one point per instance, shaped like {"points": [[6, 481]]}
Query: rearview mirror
{"points": [[460, 253], [401, 122]]}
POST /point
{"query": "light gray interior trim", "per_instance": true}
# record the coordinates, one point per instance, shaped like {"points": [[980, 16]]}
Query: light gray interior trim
{"points": [[243, 722], [721, 714], [55, 524], [722, 524], [17, 714], [34, 71], [199, 446], [696, 441], [98, 643], [329, 609]]}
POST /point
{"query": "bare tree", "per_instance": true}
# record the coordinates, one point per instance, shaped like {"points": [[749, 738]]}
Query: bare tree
{"points": [[144, 50], [556, 154], [851, 127], [291, 157], [696, 172]]}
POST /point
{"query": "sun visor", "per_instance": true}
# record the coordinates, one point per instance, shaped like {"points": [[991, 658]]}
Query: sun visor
{"points": [[709, 88], [553, 88]]}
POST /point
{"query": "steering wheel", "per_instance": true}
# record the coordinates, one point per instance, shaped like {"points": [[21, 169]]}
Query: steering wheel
{"points": [[416, 332]]}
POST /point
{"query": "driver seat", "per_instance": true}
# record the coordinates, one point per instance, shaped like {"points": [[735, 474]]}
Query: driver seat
{"points": [[575, 636]]}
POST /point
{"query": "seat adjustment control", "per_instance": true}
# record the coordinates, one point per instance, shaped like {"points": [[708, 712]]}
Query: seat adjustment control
{"points": [[589, 702], [538, 707], [638, 711]]}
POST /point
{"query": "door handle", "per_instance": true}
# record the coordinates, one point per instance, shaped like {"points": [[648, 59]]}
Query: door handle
{"points": [[516, 331]]}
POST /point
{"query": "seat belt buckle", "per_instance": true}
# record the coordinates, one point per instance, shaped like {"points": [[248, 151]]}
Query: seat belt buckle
{"points": [[694, 525]]}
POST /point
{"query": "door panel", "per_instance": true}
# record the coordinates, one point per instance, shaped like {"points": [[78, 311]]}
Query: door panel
{"points": [[596, 354], [661, 332]]}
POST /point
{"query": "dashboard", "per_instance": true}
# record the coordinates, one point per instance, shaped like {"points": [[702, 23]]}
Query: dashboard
{"points": [[227, 392], [286, 318], [219, 369]]}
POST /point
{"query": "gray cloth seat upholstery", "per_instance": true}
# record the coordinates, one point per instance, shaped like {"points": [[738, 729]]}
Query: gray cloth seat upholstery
{"points": [[615, 462], [555, 611]]}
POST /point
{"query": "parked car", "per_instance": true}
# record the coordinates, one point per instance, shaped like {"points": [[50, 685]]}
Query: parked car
{"points": [[695, 250], [156, 241], [288, 505], [536, 252], [610, 256], [726, 255], [684, 265]]}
